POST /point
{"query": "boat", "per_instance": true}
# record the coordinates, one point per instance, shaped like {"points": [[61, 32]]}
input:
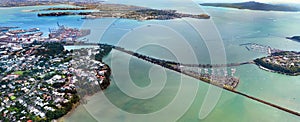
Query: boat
{"points": [[33, 30]]}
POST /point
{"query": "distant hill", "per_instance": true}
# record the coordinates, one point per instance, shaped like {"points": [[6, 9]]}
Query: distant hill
{"points": [[254, 6], [7, 1]]}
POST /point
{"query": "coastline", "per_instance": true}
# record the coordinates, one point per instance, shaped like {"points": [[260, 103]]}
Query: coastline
{"points": [[274, 71], [269, 103], [61, 119], [284, 97], [252, 5], [249, 10], [294, 38], [82, 100], [74, 107]]}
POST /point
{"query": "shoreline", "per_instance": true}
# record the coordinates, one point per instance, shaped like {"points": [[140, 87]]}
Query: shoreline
{"points": [[83, 100], [74, 107], [252, 9], [274, 71], [61, 119], [106, 11], [252, 5], [294, 38], [80, 102]]}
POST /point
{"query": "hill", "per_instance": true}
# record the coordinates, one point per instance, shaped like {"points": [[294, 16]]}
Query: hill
{"points": [[252, 5]]}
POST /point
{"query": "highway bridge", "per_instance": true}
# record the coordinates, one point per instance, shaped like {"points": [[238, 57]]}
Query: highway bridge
{"points": [[170, 65]]}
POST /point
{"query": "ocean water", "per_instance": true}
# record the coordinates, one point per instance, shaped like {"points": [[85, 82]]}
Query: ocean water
{"points": [[235, 27], [20, 18]]}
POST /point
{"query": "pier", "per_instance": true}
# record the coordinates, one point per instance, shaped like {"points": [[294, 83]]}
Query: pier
{"points": [[253, 47]]}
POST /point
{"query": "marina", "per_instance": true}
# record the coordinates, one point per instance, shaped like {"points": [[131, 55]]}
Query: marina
{"points": [[253, 47]]}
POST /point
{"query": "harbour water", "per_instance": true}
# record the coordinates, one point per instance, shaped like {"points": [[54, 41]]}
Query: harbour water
{"points": [[235, 27]]}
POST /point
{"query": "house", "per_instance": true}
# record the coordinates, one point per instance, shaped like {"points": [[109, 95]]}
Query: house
{"points": [[10, 77]]}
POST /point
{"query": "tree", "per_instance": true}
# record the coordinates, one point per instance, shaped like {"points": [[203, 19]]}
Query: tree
{"points": [[52, 49]]}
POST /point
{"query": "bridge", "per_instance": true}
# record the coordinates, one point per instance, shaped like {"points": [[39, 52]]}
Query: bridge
{"points": [[210, 79], [186, 65], [217, 65]]}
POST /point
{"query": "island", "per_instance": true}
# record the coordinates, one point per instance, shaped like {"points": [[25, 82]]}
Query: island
{"points": [[104, 10], [252, 5], [294, 38], [121, 11], [145, 14]]}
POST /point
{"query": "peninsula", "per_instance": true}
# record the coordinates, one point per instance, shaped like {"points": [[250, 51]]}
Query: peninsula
{"points": [[279, 61], [285, 62], [252, 5], [294, 38]]}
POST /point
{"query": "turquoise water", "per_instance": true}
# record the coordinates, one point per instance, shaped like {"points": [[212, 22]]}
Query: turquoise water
{"points": [[231, 107], [235, 27]]}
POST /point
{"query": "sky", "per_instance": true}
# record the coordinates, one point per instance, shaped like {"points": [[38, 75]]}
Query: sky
{"points": [[263, 1]]}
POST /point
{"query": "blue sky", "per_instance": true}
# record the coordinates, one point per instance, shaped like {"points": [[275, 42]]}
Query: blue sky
{"points": [[264, 1]]}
